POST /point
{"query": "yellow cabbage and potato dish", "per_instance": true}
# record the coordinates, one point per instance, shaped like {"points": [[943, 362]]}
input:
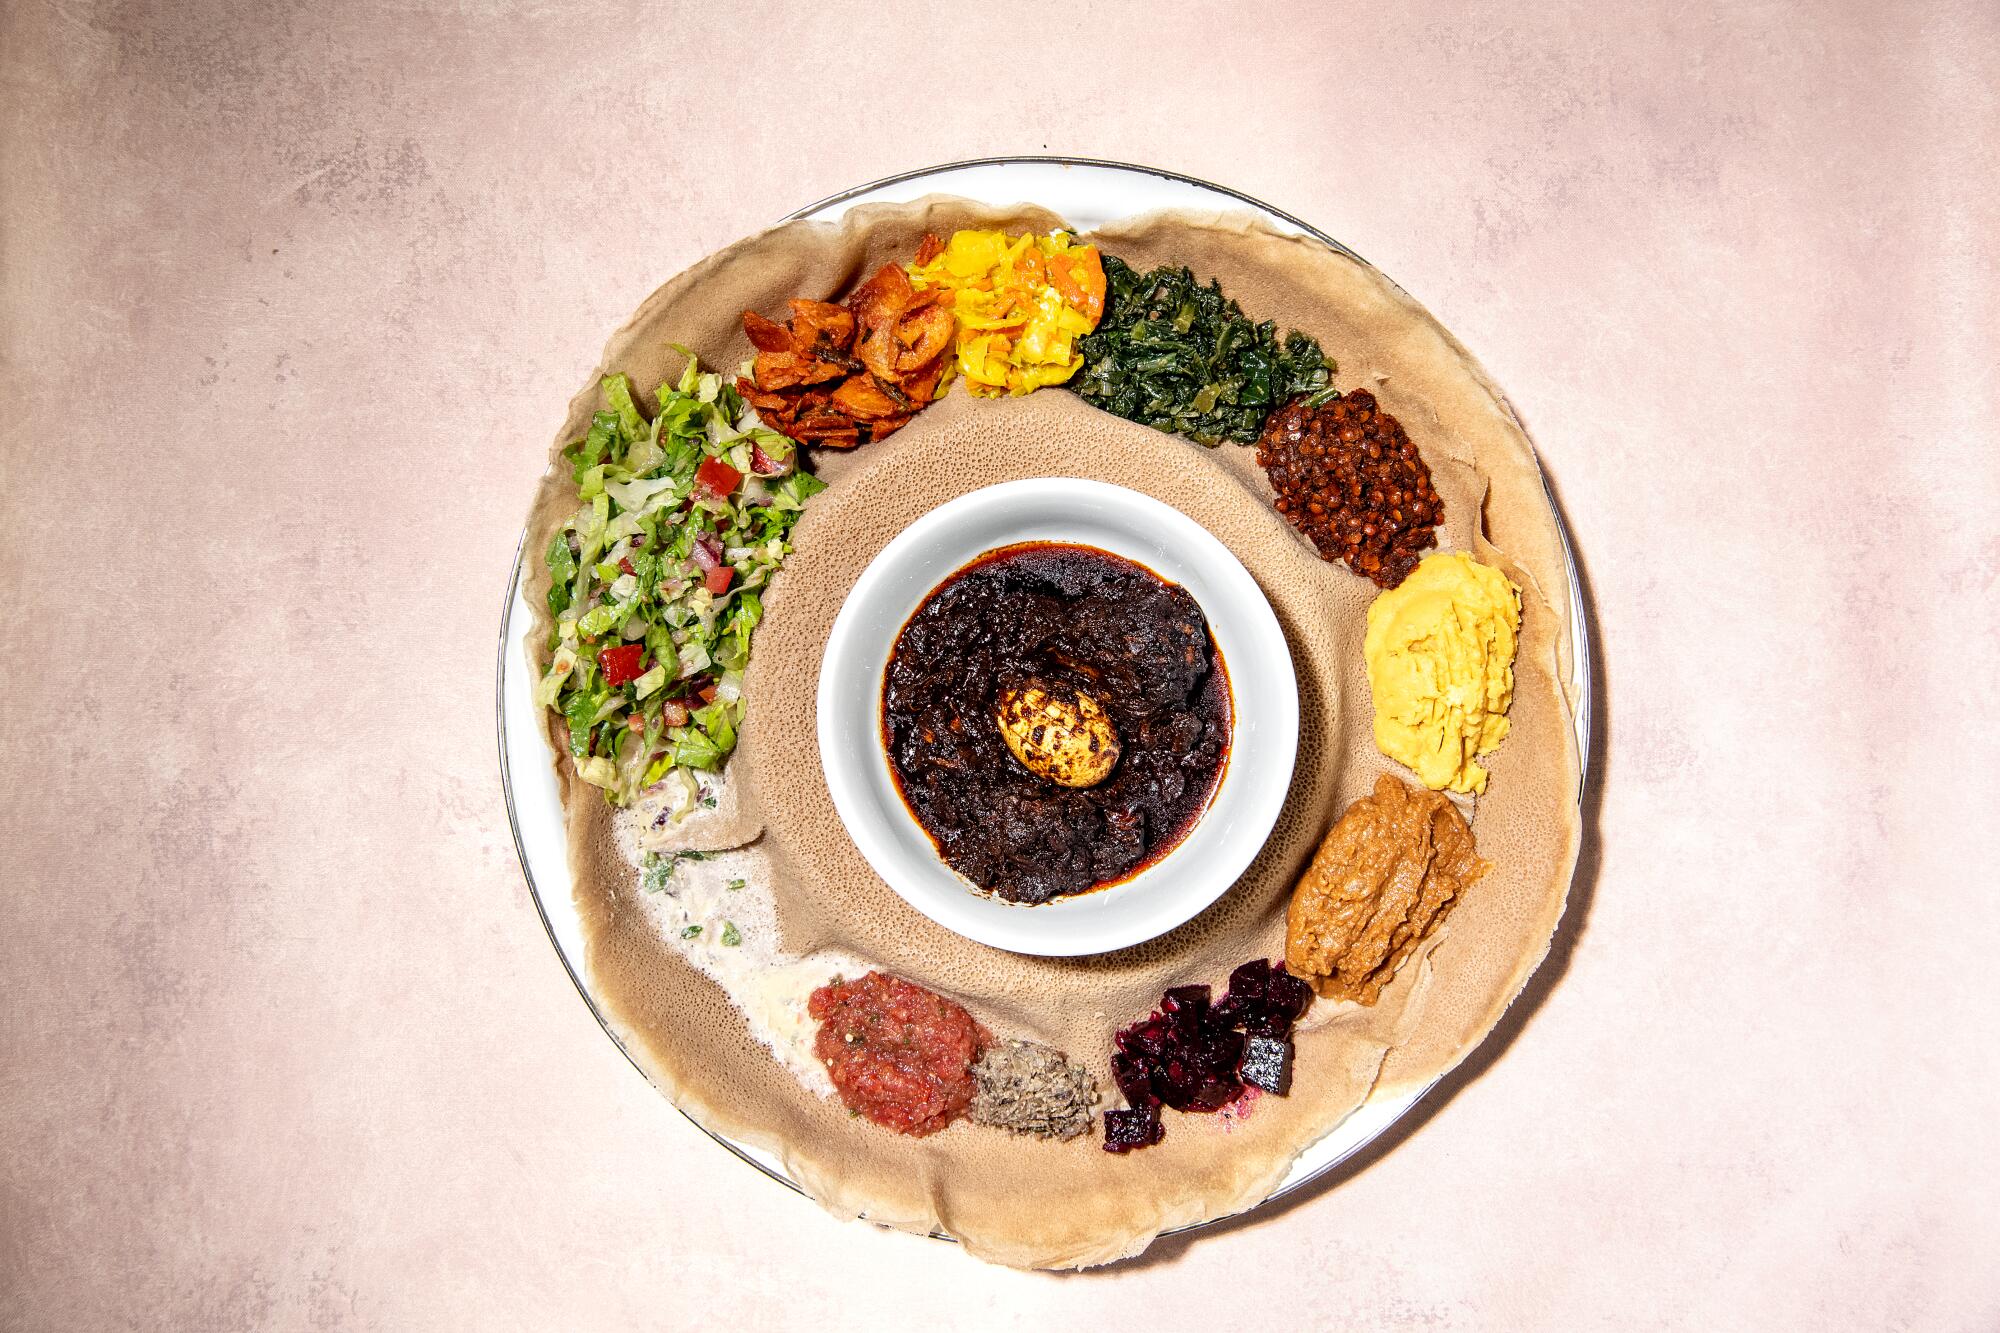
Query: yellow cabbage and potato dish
{"points": [[1021, 304]]}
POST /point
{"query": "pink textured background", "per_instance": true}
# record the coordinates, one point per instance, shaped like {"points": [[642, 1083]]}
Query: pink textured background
{"points": [[291, 297]]}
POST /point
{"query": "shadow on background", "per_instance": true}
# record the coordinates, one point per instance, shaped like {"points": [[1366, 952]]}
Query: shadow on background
{"points": [[1569, 931]]}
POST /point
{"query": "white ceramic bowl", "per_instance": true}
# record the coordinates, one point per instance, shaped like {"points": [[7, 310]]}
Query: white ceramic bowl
{"points": [[1264, 699]]}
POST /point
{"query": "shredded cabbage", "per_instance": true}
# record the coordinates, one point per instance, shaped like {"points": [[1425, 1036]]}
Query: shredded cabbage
{"points": [[623, 570]]}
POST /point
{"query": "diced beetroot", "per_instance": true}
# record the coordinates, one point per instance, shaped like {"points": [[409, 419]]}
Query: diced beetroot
{"points": [[1186, 1022], [1190, 1054], [1267, 1064], [1126, 1130], [1263, 999], [1147, 1039], [621, 664], [1179, 1088], [1220, 1053], [1133, 1079], [1250, 982], [1214, 1094], [1290, 996]]}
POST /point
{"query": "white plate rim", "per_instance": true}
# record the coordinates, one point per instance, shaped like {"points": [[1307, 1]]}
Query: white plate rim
{"points": [[1363, 1125]]}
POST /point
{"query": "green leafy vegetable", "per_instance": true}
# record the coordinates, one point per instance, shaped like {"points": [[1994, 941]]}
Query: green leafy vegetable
{"points": [[730, 936], [618, 392], [627, 569], [1177, 356], [657, 870], [562, 571], [689, 932]]}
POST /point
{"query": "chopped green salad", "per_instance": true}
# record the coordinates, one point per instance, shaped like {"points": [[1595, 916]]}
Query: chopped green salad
{"points": [[655, 581]]}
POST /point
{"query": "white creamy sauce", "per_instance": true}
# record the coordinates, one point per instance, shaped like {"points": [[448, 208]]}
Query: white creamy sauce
{"points": [[666, 817], [703, 904]]}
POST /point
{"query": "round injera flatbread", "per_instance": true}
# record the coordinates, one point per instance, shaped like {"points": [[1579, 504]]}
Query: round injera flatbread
{"points": [[1032, 1202]]}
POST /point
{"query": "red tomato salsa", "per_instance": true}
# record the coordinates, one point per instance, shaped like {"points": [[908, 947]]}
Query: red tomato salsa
{"points": [[898, 1054]]}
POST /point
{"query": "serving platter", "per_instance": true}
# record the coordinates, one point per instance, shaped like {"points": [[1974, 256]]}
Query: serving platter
{"points": [[1088, 194]]}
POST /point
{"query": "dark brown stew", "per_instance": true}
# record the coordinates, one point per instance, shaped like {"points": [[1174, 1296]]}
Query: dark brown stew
{"points": [[1069, 617]]}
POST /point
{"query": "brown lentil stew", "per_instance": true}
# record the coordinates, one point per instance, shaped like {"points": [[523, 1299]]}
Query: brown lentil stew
{"points": [[1349, 478]]}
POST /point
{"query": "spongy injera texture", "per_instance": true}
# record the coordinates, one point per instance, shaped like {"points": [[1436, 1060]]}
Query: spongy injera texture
{"points": [[1028, 1202]]}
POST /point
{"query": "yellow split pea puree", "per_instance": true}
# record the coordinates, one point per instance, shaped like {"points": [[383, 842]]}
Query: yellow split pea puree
{"points": [[1440, 652]]}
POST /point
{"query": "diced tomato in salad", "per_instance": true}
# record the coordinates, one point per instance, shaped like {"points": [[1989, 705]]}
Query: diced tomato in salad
{"points": [[621, 664], [716, 480], [715, 575]]}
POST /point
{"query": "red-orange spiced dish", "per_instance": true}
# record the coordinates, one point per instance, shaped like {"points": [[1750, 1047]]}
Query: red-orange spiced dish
{"points": [[899, 1055]]}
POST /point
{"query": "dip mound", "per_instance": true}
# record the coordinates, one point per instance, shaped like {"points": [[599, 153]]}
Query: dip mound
{"points": [[1440, 652], [898, 1054], [1387, 873], [1033, 1089]]}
